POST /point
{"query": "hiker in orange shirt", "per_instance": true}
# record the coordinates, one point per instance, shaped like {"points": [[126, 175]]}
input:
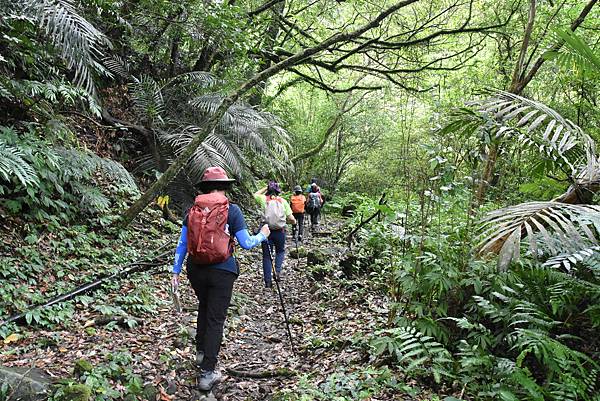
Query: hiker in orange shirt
{"points": [[298, 201]]}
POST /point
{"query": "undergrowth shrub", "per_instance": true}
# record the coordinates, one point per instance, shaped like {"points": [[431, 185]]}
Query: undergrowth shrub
{"points": [[455, 322], [58, 184]]}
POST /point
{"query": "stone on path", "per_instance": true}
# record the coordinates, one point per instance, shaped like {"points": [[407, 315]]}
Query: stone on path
{"points": [[322, 256], [297, 253], [26, 384]]}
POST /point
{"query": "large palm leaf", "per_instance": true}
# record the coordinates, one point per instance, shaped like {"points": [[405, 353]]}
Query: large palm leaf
{"points": [[575, 53], [80, 44], [177, 108], [538, 127], [551, 228]]}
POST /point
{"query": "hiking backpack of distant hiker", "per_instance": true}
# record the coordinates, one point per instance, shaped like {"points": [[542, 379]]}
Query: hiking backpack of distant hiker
{"points": [[297, 203], [314, 201], [208, 239], [275, 213]]}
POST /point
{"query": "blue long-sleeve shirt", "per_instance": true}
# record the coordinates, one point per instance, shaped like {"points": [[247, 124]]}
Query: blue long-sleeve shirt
{"points": [[236, 224]]}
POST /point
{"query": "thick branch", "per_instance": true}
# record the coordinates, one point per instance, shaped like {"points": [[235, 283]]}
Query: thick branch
{"points": [[574, 25], [517, 74], [213, 121], [264, 7]]}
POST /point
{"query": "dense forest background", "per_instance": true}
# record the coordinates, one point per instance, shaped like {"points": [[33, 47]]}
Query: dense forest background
{"points": [[459, 134]]}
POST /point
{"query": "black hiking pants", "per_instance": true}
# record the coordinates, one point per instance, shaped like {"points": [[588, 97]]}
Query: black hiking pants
{"points": [[213, 287]]}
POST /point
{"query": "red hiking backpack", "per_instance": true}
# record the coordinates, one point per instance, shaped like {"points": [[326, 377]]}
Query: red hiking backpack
{"points": [[208, 239]]}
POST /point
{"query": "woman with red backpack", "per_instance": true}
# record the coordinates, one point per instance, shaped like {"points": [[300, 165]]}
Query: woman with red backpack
{"points": [[276, 212], [207, 236]]}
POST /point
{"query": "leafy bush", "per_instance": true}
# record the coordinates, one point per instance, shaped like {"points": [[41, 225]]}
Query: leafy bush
{"points": [[58, 184], [523, 334]]}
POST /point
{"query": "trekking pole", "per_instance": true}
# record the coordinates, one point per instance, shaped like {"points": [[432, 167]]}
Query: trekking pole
{"points": [[297, 253], [287, 322]]}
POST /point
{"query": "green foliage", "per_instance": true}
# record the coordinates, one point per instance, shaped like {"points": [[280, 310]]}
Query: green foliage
{"points": [[456, 321], [113, 380], [414, 352], [574, 54], [58, 184], [541, 189], [349, 385]]}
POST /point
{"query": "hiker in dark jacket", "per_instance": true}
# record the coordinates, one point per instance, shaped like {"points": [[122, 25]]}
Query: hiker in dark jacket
{"points": [[314, 202], [276, 212], [212, 282]]}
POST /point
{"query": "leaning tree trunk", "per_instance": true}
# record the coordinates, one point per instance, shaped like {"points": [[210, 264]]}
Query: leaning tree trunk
{"points": [[159, 185]]}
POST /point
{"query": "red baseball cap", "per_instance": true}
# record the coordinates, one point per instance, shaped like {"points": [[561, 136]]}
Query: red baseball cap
{"points": [[215, 174]]}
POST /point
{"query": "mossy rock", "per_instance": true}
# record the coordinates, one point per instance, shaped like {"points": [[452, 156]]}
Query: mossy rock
{"points": [[150, 392], [75, 392], [321, 256], [81, 367], [297, 253]]}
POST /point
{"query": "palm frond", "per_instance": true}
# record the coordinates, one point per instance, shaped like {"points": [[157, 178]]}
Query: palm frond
{"points": [[551, 227], [575, 53], [117, 65], [80, 44], [538, 127], [200, 78], [147, 99]]}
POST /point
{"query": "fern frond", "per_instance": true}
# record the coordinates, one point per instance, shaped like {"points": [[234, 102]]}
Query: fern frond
{"points": [[568, 261], [415, 351], [13, 165], [80, 165]]}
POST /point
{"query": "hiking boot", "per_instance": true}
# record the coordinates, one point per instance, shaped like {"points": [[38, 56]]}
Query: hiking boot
{"points": [[207, 379], [199, 357]]}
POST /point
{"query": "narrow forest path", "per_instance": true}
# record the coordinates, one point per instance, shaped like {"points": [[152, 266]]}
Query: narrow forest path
{"points": [[324, 317], [328, 317]]}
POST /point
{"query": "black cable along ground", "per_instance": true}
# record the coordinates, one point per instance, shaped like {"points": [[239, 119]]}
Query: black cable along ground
{"points": [[133, 267]]}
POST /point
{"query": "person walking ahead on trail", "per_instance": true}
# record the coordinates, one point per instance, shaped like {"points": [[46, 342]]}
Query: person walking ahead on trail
{"points": [[298, 202], [313, 205], [207, 235], [276, 211], [309, 187]]}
